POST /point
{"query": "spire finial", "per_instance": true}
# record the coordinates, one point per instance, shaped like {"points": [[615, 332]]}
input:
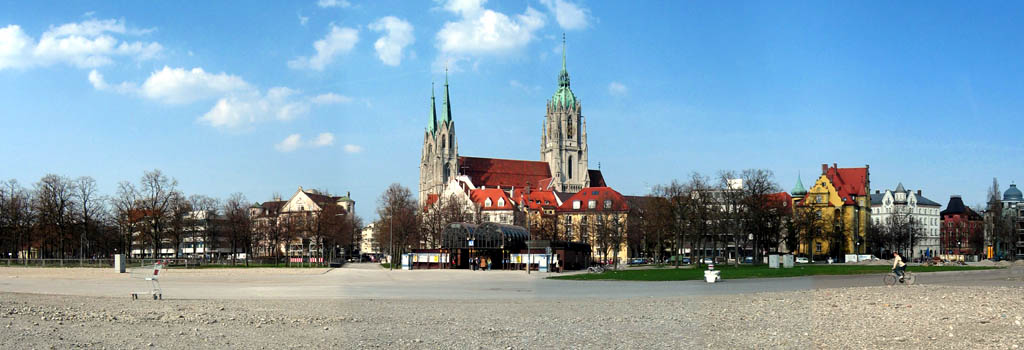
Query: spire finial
{"points": [[563, 50]]}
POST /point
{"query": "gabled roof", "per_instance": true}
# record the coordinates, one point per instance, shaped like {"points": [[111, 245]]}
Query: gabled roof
{"points": [[599, 195], [505, 173], [480, 196], [848, 182], [921, 200], [536, 199], [320, 199]]}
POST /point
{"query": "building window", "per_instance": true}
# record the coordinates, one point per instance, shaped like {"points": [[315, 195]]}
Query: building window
{"points": [[817, 247], [487, 203], [591, 204], [817, 199], [607, 203], [501, 202], [575, 204]]}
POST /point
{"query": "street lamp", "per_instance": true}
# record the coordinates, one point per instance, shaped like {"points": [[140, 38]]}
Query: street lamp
{"points": [[391, 246]]}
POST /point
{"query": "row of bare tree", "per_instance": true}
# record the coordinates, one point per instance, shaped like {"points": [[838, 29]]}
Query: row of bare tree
{"points": [[60, 217]]}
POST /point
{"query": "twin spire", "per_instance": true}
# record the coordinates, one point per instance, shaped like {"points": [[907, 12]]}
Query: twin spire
{"points": [[446, 108]]}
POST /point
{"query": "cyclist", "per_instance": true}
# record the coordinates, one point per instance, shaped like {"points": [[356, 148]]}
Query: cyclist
{"points": [[898, 266]]}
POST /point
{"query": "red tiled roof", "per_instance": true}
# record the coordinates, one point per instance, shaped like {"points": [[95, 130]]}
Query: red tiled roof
{"points": [[848, 182], [480, 196], [536, 199], [431, 199], [782, 201], [599, 195], [506, 173]]}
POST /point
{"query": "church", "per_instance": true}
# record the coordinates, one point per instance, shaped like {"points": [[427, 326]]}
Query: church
{"points": [[562, 166]]}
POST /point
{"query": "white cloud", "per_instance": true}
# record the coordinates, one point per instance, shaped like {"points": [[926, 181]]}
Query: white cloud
{"points": [[178, 85], [338, 42], [245, 109], [484, 31], [352, 149], [14, 47], [398, 35], [330, 98], [568, 15], [290, 143], [617, 89], [516, 84], [88, 44], [303, 20], [323, 140], [333, 3], [97, 81], [295, 141]]}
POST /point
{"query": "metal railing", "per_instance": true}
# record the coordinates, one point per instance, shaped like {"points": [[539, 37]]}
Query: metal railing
{"points": [[57, 262]]}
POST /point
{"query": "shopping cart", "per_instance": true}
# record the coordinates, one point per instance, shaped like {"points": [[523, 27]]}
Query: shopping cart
{"points": [[152, 274]]}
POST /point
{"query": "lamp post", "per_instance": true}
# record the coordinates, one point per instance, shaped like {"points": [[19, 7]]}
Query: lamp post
{"points": [[391, 246]]}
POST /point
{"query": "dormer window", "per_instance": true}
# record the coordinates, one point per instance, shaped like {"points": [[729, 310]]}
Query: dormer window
{"points": [[607, 203], [591, 204], [487, 203], [575, 204], [501, 202]]}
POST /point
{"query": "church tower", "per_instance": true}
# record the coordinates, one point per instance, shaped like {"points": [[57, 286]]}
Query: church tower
{"points": [[563, 143], [439, 161]]}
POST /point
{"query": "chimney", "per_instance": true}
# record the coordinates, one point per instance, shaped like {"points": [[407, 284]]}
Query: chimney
{"points": [[824, 169], [348, 194], [834, 165], [877, 192], [918, 192]]}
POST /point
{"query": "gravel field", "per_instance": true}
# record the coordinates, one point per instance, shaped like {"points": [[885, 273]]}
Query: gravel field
{"points": [[854, 318]]}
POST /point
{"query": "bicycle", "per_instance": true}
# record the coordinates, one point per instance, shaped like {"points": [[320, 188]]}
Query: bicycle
{"points": [[596, 269], [892, 278]]}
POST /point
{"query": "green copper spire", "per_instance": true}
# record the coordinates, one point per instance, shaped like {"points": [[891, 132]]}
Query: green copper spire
{"points": [[563, 96], [799, 189], [446, 110], [433, 112]]}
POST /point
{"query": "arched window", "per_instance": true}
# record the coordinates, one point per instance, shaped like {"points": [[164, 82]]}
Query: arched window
{"points": [[451, 141], [444, 141], [570, 167], [501, 202], [487, 203], [447, 171]]}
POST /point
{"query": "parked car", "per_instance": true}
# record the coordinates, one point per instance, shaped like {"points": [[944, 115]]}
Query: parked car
{"points": [[637, 261], [707, 261], [748, 260], [680, 258], [802, 260]]}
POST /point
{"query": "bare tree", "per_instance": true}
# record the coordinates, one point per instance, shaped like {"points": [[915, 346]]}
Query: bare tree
{"points": [[179, 223], [157, 195], [89, 207], [16, 218], [202, 225], [126, 212], [764, 213], [398, 226], [238, 226], [999, 223], [55, 203]]}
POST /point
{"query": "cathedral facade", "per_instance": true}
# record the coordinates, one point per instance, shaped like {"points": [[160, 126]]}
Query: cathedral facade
{"points": [[563, 165]]}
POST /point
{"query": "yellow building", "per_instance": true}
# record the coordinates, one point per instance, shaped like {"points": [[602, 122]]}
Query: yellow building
{"points": [[833, 215]]}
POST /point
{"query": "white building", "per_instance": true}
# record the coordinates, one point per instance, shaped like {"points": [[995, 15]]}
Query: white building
{"points": [[368, 245], [922, 210]]}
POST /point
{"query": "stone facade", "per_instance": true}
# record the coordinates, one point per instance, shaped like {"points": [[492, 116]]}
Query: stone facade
{"points": [[923, 211], [563, 143]]}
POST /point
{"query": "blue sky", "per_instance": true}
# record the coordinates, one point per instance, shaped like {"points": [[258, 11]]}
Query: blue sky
{"points": [[262, 97]]}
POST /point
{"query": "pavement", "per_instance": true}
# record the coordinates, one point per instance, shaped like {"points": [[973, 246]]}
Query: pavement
{"points": [[369, 281]]}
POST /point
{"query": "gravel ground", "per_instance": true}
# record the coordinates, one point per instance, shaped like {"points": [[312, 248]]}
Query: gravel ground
{"points": [[854, 318]]}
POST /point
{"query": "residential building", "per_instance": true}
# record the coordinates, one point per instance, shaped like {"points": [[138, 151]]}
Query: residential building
{"points": [[839, 200], [368, 244], [295, 227], [1012, 206], [921, 212], [962, 231]]}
